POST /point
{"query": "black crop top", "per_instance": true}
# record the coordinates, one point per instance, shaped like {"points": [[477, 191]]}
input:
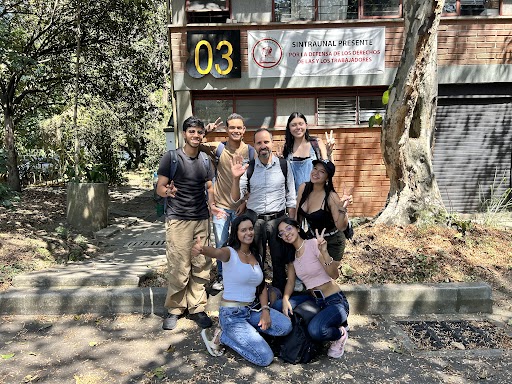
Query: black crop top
{"points": [[319, 219]]}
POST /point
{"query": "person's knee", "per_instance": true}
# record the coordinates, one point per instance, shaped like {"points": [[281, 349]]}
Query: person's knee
{"points": [[316, 333]]}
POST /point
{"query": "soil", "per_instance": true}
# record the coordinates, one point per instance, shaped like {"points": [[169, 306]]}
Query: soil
{"points": [[34, 235]]}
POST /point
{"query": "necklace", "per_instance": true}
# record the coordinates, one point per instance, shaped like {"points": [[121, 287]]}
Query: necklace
{"points": [[298, 249], [246, 254]]}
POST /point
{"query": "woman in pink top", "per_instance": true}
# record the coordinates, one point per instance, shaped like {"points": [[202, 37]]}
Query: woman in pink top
{"points": [[317, 270]]}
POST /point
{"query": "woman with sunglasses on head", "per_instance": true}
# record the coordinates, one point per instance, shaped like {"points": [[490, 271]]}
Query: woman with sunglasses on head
{"points": [[244, 312], [317, 270], [300, 147], [321, 207]]}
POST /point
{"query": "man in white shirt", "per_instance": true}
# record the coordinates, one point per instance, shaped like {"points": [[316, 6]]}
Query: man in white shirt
{"points": [[270, 194]]}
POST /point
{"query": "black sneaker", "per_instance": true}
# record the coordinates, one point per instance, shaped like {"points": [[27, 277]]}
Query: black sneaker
{"points": [[201, 319], [170, 322]]}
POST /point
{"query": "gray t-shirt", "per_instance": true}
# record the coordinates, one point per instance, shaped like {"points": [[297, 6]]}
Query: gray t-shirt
{"points": [[190, 179]]}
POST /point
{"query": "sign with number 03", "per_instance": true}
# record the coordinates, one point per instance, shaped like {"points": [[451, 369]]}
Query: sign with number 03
{"points": [[214, 52]]}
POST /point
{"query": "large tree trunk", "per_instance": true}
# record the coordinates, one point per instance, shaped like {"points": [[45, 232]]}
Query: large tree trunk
{"points": [[13, 177], [407, 137]]}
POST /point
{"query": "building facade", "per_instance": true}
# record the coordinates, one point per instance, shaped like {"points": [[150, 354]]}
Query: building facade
{"points": [[332, 60]]}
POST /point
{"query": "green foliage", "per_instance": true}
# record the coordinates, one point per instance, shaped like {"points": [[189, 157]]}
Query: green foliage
{"points": [[122, 63], [62, 232], [377, 118]]}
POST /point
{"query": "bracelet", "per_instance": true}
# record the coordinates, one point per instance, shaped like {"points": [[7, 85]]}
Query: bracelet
{"points": [[330, 262], [265, 307]]}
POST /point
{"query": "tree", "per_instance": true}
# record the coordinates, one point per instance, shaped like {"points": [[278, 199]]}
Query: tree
{"points": [[407, 137], [37, 52]]}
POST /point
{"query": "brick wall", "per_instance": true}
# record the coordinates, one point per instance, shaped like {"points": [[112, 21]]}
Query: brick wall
{"points": [[359, 165]]}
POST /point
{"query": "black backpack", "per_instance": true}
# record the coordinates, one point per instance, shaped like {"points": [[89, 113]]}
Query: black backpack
{"points": [[298, 346]]}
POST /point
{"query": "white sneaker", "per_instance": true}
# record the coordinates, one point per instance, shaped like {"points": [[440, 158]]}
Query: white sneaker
{"points": [[337, 348], [217, 285]]}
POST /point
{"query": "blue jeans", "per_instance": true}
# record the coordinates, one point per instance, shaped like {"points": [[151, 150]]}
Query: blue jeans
{"points": [[325, 326], [241, 333], [221, 233]]}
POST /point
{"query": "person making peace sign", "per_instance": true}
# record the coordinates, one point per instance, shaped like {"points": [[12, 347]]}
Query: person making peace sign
{"points": [[317, 270], [244, 312]]}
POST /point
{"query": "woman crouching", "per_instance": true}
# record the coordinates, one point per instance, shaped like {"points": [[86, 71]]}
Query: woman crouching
{"points": [[317, 270], [242, 316]]}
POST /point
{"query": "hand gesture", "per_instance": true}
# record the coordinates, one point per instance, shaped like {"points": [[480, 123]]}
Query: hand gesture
{"points": [[237, 166], [278, 148], [197, 248], [287, 308], [210, 127], [171, 190], [347, 197], [329, 143], [322, 243]]}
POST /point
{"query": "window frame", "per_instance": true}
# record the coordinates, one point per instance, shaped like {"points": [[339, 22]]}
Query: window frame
{"points": [[360, 13], [316, 94], [458, 10]]}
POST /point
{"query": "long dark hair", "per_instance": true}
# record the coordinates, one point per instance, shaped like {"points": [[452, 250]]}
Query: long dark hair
{"points": [[234, 242], [289, 249], [289, 139], [308, 188]]}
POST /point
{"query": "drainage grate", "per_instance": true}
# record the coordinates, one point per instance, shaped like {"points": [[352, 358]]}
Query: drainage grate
{"points": [[456, 335], [145, 243]]}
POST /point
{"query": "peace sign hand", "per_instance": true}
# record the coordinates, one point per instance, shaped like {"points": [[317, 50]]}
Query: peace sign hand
{"points": [[347, 197], [322, 243], [213, 126], [330, 143], [197, 249]]}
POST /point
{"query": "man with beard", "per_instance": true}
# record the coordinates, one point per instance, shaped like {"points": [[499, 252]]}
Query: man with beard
{"points": [[187, 218], [271, 191]]}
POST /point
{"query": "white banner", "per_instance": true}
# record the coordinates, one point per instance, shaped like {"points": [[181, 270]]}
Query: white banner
{"points": [[316, 52]]}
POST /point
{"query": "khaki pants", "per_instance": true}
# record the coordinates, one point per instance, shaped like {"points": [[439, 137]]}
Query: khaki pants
{"points": [[187, 275]]}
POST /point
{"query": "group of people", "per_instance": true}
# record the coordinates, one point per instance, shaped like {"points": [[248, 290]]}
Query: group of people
{"points": [[257, 199]]}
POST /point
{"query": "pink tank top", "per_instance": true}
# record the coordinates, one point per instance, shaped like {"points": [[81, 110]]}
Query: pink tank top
{"points": [[309, 268]]}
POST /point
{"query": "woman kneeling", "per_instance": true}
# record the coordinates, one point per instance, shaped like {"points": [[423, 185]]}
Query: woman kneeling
{"points": [[317, 270], [242, 317]]}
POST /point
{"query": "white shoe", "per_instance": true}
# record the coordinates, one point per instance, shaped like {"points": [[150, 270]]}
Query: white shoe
{"points": [[213, 346], [337, 348]]}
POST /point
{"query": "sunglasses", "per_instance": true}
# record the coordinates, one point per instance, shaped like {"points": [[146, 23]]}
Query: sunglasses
{"points": [[286, 230]]}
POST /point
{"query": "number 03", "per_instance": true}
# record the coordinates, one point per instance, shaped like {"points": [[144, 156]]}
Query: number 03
{"points": [[226, 56]]}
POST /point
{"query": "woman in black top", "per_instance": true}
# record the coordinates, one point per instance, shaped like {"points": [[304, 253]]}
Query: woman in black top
{"points": [[321, 207]]}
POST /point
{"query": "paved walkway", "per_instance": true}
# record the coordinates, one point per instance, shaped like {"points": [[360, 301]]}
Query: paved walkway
{"points": [[67, 325]]}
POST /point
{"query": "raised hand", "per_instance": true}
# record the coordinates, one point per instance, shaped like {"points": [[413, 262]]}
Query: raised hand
{"points": [[237, 166], [278, 148], [322, 243], [171, 189], [330, 143], [197, 248], [347, 197], [213, 126]]}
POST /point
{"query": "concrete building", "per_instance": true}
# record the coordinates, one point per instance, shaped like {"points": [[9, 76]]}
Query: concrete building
{"points": [[332, 60]]}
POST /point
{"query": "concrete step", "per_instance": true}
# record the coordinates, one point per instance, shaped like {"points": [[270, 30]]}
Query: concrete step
{"points": [[394, 299]]}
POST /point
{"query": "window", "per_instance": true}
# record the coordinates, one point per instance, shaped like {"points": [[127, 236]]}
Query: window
{"points": [[258, 112], [352, 109], [471, 7], [207, 11], [329, 10], [349, 110]]}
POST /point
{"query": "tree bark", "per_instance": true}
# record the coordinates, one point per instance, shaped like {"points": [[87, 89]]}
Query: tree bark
{"points": [[407, 137], [13, 174]]}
